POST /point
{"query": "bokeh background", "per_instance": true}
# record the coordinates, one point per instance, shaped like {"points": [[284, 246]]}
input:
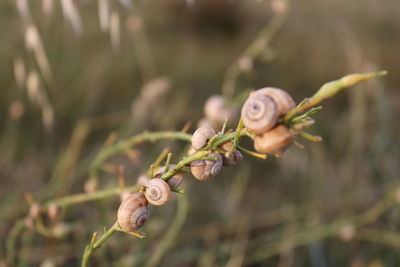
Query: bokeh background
{"points": [[75, 73]]}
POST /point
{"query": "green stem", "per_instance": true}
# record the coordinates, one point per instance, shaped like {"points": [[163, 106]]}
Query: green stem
{"points": [[85, 197], [96, 244]]}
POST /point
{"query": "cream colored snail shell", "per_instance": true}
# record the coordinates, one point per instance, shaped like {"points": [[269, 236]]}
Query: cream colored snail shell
{"points": [[133, 212], [259, 113], [201, 136], [142, 180], [233, 159], [174, 181], [205, 169], [157, 192], [274, 141], [216, 109], [283, 100]]}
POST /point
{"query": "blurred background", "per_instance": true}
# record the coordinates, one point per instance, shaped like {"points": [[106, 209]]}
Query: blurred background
{"points": [[75, 73]]}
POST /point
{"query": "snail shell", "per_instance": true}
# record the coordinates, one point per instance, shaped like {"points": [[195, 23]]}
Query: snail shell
{"points": [[233, 159], [157, 192], [259, 113], [274, 141], [142, 180], [133, 212], [283, 100], [216, 109], [201, 136], [174, 181], [205, 169]]}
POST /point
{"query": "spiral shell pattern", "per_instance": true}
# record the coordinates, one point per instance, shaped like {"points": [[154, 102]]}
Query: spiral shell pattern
{"points": [[157, 192], [206, 169], [283, 100], [201, 136], [133, 212], [259, 113], [174, 181]]}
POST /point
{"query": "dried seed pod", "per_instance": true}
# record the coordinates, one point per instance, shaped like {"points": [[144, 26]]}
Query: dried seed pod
{"points": [[142, 180], [174, 181], [201, 136], [157, 192], [283, 100], [205, 169], [259, 113], [274, 141], [234, 159], [133, 212], [216, 109]]}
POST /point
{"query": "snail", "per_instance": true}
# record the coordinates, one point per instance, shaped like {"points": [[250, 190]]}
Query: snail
{"points": [[191, 151], [174, 181], [233, 159], [157, 192], [204, 169], [274, 141], [201, 136], [259, 113], [283, 100], [142, 180], [133, 212], [216, 109]]}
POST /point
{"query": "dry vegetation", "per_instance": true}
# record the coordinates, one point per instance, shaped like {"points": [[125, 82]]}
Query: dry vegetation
{"points": [[78, 76]]}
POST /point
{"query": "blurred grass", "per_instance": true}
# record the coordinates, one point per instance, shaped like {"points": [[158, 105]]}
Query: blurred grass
{"points": [[95, 86]]}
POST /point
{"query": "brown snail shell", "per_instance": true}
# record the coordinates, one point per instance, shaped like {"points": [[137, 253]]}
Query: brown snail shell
{"points": [[133, 212], [205, 169], [234, 159], [142, 180], [216, 109], [174, 181], [274, 141], [157, 192], [259, 113], [201, 136], [283, 100]]}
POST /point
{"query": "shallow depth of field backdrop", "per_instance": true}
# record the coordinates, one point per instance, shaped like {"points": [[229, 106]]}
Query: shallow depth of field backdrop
{"points": [[75, 72]]}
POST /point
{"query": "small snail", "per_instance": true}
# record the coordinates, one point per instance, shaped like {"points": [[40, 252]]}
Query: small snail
{"points": [[283, 100], [174, 181], [133, 212], [142, 180], [157, 192], [234, 159], [205, 169], [201, 136], [216, 109], [259, 113], [191, 151], [274, 141]]}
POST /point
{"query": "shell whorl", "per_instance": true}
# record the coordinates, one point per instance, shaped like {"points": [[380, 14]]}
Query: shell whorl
{"points": [[259, 113], [133, 212], [157, 192], [174, 181], [274, 141], [283, 100], [142, 180], [205, 169], [201, 136], [234, 158]]}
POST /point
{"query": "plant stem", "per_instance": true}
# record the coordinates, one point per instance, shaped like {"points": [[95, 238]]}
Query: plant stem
{"points": [[96, 244], [85, 197]]}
